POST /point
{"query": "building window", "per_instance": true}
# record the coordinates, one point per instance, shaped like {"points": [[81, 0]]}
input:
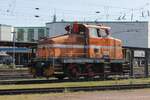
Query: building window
{"points": [[20, 35], [31, 35], [47, 31], [41, 33]]}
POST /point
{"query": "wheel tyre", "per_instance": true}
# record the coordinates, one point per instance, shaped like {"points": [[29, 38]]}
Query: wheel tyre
{"points": [[72, 72], [90, 72]]}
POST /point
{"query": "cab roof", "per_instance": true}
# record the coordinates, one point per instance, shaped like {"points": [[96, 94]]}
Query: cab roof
{"points": [[97, 26]]}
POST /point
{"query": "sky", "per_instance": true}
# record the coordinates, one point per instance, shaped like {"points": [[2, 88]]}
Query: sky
{"points": [[23, 12]]}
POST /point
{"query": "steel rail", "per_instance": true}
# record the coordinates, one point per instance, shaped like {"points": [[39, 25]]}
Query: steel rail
{"points": [[42, 81], [72, 89]]}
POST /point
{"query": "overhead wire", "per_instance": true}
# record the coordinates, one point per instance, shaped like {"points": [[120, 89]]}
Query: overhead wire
{"points": [[44, 14]]}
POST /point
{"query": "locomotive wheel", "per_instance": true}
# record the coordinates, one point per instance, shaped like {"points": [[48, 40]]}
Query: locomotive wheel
{"points": [[90, 71], [48, 71], [72, 71]]}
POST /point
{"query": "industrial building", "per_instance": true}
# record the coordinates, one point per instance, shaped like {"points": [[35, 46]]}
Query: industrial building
{"points": [[133, 34], [20, 45], [30, 34]]}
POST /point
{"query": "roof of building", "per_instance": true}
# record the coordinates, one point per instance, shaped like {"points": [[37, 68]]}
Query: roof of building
{"points": [[18, 44], [99, 22], [31, 27], [17, 50], [5, 25]]}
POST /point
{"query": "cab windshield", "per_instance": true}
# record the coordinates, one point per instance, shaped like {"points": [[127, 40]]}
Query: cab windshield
{"points": [[103, 33], [98, 32]]}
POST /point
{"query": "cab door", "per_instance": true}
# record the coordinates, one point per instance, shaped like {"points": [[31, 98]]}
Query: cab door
{"points": [[95, 43], [99, 44]]}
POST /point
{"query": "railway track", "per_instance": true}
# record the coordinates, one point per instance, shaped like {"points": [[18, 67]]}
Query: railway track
{"points": [[50, 80], [22, 76], [41, 81], [72, 89], [6, 74]]}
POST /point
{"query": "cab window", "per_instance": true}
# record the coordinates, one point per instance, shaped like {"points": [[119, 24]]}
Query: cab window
{"points": [[93, 32], [103, 33]]}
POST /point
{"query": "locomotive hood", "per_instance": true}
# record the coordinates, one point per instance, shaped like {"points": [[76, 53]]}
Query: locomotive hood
{"points": [[52, 40]]}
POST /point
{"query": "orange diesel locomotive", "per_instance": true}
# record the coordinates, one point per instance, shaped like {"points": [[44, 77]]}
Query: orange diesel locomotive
{"points": [[84, 51]]}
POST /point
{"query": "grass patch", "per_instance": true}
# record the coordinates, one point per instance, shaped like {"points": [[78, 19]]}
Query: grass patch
{"points": [[78, 84]]}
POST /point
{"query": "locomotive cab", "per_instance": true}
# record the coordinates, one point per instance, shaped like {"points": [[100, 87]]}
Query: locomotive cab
{"points": [[91, 30]]}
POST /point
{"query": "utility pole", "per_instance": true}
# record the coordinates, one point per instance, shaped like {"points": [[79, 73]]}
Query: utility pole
{"points": [[14, 40], [54, 18], [106, 9], [132, 15], [97, 12]]}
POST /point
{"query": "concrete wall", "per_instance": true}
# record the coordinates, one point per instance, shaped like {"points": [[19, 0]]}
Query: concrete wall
{"points": [[134, 34]]}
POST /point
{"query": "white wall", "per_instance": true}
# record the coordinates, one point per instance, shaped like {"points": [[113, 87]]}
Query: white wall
{"points": [[134, 34], [6, 33]]}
